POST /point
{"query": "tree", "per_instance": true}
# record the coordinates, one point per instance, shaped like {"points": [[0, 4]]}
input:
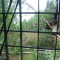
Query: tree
{"points": [[50, 7], [8, 19]]}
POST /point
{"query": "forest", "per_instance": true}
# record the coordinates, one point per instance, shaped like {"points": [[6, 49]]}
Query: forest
{"points": [[46, 42]]}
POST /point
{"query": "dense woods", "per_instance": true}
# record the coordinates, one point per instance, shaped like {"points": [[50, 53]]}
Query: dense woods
{"points": [[46, 40]]}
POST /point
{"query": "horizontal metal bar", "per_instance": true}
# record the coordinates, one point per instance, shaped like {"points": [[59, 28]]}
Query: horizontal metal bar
{"points": [[32, 47], [30, 13], [31, 31]]}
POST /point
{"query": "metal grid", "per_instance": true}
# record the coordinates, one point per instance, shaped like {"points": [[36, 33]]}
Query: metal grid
{"points": [[3, 28]]}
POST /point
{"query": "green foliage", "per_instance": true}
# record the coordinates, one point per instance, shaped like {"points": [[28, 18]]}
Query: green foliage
{"points": [[31, 25], [51, 7], [46, 40], [31, 39], [24, 25], [46, 55], [31, 56]]}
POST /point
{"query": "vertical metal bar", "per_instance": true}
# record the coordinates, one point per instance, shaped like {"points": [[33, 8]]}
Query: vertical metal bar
{"points": [[55, 47], [57, 10], [5, 32], [20, 29], [38, 33]]}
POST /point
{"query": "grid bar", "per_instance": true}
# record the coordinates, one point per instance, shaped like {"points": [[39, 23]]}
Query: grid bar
{"points": [[32, 31], [3, 29], [57, 10], [41, 48], [30, 13], [5, 33], [20, 16]]}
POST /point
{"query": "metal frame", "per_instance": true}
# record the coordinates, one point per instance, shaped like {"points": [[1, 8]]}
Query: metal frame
{"points": [[3, 29]]}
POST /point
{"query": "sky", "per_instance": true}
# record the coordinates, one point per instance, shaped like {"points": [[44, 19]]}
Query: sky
{"points": [[34, 4]]}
